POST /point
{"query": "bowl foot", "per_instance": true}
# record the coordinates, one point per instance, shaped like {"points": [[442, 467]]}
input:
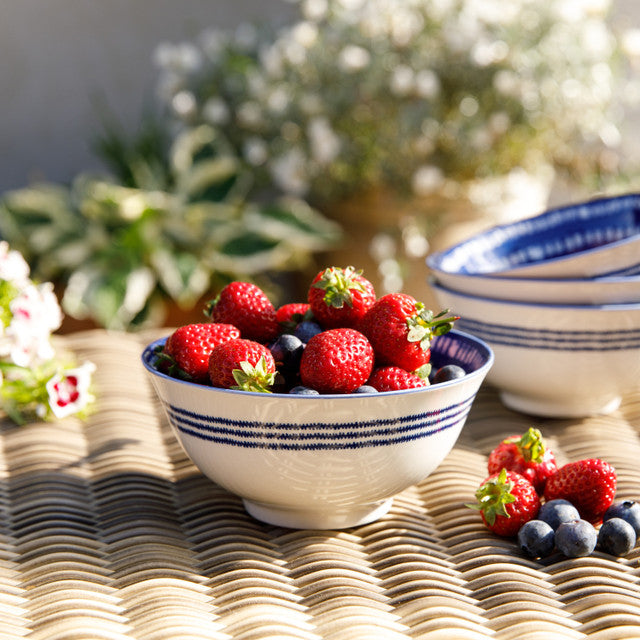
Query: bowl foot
{"points": [[560, 408], [317, 518]]}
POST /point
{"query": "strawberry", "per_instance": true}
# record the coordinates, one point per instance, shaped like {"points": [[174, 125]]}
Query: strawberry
{"points": [[528, 455], [391, 378], [247, 307], [186, 351], [336, 361], [290, 315], [242, 364], [589, 484], [506, 500], [340, 297], [400, 330]]}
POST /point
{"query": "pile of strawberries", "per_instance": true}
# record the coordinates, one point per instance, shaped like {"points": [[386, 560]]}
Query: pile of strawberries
{"points": [[342, 339], [524, 477]]}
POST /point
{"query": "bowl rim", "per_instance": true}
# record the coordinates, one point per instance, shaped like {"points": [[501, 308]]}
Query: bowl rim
{"points": [[435, 260], [481, 371], [609, 306]]}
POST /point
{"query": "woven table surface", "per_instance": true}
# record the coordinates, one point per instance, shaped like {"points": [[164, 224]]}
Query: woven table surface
{"points": [[108, 531]]}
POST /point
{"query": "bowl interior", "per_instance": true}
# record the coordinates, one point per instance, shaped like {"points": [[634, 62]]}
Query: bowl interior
{"points": [[556, 234]]}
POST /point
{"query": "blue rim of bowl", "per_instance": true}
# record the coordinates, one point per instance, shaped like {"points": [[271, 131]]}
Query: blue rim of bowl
{"points": [[537, 226], [147, 356], [612, 306]]}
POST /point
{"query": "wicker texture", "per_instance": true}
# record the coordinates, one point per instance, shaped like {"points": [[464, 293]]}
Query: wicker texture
{"points": [[108, 532]]}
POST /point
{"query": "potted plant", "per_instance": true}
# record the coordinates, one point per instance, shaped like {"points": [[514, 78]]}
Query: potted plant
{"points": [[388, 114]]}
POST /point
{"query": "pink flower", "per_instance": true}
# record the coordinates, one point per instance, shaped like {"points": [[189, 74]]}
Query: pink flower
{"points": [[69, 390]]}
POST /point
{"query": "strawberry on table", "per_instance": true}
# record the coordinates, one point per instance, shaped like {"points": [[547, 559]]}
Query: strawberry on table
{"points": [[390, 378], [400, 330], [336, 361], [589, 484], [246, 306], [506, 501], [188, 349], [242, 364], [340, 297], [528, 454]]}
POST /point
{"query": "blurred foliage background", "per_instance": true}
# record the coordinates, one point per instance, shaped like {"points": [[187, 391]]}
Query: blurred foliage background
{"points": [[366, 125]]}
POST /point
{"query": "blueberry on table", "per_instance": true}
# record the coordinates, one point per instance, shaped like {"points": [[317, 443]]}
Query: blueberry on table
{"points": [[576, 539], [628, 510], [557, 511], [536, 538], [448, 372], [616, 536]]}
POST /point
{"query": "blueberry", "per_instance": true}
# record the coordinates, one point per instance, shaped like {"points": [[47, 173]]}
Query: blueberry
{"points": [[616, 536], [448, 372], [301, 390], [628, 510], [366, 388], [555, 512], [576, 539], [286, 351], [536, 538], [306, 330]]}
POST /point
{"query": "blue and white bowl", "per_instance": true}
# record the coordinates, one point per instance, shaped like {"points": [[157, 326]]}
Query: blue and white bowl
{"points": [[554, 360], [329, 461], [595, 238], [599, 290]]}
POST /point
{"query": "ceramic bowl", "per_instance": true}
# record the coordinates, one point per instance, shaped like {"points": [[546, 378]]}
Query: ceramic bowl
{"points": [[600, 290], [323, 462], [595, 238], [554, 360]]}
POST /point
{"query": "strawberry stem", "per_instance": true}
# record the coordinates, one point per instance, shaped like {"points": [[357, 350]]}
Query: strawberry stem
{"points": [[338, 285], [424, 325], [253, 378], [492, 497]]}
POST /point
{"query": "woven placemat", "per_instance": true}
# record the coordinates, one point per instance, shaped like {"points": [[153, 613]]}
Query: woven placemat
{"points": [[108, 531]]}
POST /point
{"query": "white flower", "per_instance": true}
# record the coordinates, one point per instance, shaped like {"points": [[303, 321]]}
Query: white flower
{"points": [[37, 306], [353, 58], [402, 80], [13, 267], [288, 172], [69, 390], [215, 111], [426, 180], [255, 151], [184, 104], [324, 143]]}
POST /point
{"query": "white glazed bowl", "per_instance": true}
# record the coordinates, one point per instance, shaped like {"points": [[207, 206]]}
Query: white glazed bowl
{"points": [[329, 461], [595, 238], [554, 360], [599, 290]]}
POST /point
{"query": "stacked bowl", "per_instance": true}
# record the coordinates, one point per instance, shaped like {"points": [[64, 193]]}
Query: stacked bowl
{"points": [[557, 298]]}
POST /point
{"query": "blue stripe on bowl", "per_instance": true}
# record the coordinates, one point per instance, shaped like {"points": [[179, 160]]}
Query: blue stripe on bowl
{"points": [[552, 339], [317, 435]]}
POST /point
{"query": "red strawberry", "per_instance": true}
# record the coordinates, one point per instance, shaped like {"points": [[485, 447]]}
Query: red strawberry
{"points": [[590, 485], [247, 307], [189, 346], [288, 316], [394, 379], [528, 455], [340, 297], [400, 330], [242, 364], [506, 500], [336, 361]]}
